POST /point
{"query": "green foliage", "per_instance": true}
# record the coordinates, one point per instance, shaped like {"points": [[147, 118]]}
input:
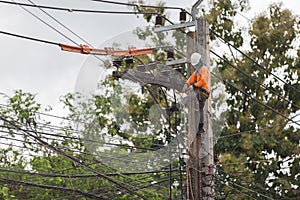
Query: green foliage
{"points": [[272, 39], [259, 151]]}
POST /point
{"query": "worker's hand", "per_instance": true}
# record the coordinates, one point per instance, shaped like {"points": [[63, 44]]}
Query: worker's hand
{"points": [[194, 87], [185, 87]]}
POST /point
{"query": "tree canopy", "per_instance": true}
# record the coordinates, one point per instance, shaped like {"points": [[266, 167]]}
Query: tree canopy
{"points": [[120, 144]]}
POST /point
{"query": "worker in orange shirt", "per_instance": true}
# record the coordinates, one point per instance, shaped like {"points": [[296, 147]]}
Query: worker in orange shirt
{"points": [[198, 82]]}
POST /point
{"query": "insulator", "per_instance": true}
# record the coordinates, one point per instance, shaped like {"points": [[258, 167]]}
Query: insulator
{"points": [[170, 55], [129, 60], [178, 69], [117, 63], [182, 16], [158, 21]]}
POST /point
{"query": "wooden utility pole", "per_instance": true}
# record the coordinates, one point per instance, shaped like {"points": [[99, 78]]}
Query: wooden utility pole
{"points": [[200, 147]]}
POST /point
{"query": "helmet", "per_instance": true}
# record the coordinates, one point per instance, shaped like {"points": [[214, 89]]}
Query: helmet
{"points": [[195, 58]]}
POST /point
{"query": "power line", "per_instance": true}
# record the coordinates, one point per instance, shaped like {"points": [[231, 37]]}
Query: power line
{"points": [[83, 139], [76, 10], [255, 62], [239, 191], [86, 140], [245, 188], [29, 184], [220, 1], [136, 173], [258, 101], [256, 81], [29, 38], [138, 5], [80, 175], [120, 174], [145, 6], [61, 24], [52, 27], [121, 158], [253, 130], [76, 160]]}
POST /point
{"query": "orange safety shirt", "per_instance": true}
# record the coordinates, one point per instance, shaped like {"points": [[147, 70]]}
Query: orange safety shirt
{"points": [[201, 80]]}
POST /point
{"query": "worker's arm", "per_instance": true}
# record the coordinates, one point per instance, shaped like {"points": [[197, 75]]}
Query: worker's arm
{"points": [[192, 79], [203, 79]]}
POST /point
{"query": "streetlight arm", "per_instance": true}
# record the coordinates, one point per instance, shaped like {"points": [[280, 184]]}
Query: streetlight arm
{"points": [[194, 8]]}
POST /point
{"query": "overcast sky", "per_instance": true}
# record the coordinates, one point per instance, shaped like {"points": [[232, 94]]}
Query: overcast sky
{"points": [[49, 72]]}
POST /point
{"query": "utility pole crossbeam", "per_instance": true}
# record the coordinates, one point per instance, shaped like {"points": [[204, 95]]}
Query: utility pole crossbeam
{"points": [[143, 76], [174, 26]]}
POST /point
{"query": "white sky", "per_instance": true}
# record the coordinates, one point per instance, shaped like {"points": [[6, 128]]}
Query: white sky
{"points": [[45, 69]]}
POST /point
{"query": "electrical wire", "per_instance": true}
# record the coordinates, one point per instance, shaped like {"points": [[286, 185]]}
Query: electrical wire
{"points": [[113, 158], [64, 189], [29, 38], [256, 100], [60, 23], [47, 24], [253, 130], [76, 10], [245, 188], [256, 81], [64, 26], [42, 133], [19, 171], [121, 158], [78, 175], [139, 5], [235, 11], [76, 160], [239, 191], [255, 62]]}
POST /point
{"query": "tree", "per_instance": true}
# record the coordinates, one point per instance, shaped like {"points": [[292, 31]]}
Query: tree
{"points": [[257, 155], [38, 156], [259, 147], [264, 156]]}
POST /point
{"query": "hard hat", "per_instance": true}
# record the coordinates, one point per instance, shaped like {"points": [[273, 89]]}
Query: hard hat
{"points": [[195, 58]]}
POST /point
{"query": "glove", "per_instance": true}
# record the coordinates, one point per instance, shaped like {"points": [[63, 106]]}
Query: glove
{"points": [[185, 87], [194, 87]]}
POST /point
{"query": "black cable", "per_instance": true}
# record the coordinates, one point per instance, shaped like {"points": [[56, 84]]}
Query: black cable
{"points": [[72, 176], [57, 21], [236, 12], [137, 5], [255, 62], [84, 140], [256, 81], [29, 38], [120, 184], [258, 101], [119, 174], [64, 189], [243, 187], [76, 10], [78, 175], [120, 158], [238, 190], [47, 24], [253, 130], [179, 154], [53, 18]]}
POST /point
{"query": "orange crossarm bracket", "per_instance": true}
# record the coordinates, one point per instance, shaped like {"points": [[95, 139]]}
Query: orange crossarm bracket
{"points": [[85, 49]]}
